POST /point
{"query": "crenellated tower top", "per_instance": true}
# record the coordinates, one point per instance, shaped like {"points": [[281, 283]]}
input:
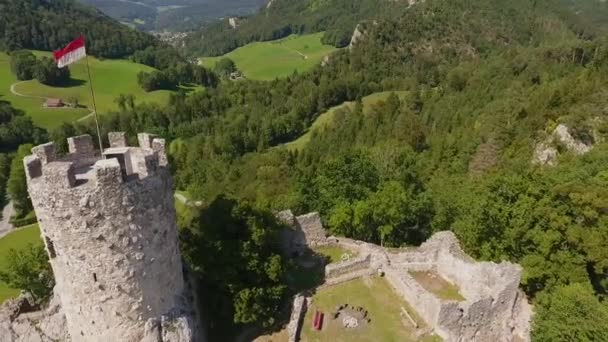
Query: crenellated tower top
{"points": [[109, 226]]}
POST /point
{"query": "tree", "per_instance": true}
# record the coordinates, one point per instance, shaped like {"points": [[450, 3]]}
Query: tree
{"points": [[46, 72], [570, 313], [23, 64], [17, 186], [227, 232], [29, 269], [224, 67]]}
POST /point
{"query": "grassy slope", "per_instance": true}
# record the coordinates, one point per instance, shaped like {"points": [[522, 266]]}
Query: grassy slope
{"points": [[110, 79], [326, 118], [16, 240], [279, 58]]}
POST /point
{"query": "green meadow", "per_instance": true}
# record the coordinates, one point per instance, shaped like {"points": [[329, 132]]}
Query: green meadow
{"points": [[326, 118], [110, 79], [277, 58], [16, 240]]}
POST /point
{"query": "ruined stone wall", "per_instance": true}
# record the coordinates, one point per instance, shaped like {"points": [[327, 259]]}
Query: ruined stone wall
{"points": [[110, 231], [350, 266], [427, 305], [296, 319], [311, 226]]}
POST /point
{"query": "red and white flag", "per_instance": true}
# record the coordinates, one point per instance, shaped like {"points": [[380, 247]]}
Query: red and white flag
{"points": [[72, 53]]}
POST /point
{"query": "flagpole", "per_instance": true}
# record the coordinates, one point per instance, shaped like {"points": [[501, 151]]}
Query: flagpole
{"points": [[94, 105]]}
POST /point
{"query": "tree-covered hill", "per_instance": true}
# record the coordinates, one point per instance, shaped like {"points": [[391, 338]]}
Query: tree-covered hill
{"points": [[48, 25], [338, 18]]}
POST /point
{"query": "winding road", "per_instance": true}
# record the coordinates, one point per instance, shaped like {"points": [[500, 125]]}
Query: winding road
{"points": [[16, 93]]}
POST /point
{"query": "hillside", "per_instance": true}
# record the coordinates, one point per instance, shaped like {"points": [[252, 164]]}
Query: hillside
{"points": [[175, 14], [48, 25], [111, 78], [277, 58], [338, 18]]}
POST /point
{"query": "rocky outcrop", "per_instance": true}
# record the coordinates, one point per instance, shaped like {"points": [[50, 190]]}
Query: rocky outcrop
{"points": [[234, 22], [357, 36], [546, 152]]}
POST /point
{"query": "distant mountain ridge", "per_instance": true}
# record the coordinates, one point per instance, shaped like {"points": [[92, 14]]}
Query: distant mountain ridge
{"points": [[173, 14]]}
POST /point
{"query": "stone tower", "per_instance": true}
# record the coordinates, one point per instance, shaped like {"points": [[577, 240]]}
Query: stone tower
{"points": [[109, 226]]}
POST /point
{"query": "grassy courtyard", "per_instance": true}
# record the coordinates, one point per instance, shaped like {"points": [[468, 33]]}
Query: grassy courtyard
{"points": [[376, 296], [325, 119], [334, 253], [277, 58], [110, 79], [16, 240]]}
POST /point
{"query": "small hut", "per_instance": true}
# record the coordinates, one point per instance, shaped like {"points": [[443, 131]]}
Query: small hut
{"points": [[54, 103]]}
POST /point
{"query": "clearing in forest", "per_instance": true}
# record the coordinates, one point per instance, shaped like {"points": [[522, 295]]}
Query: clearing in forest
{"points": [[18, 239], [326, 118], [277, 58]]}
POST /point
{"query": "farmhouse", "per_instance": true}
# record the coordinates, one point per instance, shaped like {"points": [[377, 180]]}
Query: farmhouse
{"points": [[54, 103]]}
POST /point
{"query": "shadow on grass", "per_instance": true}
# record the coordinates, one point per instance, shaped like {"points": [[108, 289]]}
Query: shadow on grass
{"points": [[72, 82]]}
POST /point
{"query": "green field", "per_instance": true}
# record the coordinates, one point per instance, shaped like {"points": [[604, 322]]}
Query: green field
{"points": [[324, 119], [278, 58], [110, 79], [16, 240]]}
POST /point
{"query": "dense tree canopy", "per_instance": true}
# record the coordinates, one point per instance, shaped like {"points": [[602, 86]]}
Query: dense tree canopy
{"points": [[49, 25], [233, 248]]}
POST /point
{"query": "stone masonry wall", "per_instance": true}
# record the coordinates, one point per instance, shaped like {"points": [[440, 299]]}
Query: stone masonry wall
{"points": [[111, 235], [341, 268], [296, 319]]}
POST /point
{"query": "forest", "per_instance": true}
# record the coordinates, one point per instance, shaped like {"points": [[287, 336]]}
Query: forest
{"points": [[338, 18], [49, 25], [455, 153]]}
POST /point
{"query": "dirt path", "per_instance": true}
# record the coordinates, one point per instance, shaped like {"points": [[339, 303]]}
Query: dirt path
{"points": [[16, 93], [5, 226]]}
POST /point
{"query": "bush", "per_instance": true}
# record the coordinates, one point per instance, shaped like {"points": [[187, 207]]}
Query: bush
{"points": [[28, 219]]}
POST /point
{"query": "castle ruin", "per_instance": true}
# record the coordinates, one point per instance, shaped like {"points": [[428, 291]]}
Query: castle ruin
{"points": [[109, 226], [492, 307]]}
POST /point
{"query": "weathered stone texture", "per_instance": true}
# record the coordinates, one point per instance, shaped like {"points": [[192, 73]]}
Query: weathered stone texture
{"points": [[47, 325], [111, 234], [545, 153], [354, 265], [311, 226], [298, 311]]}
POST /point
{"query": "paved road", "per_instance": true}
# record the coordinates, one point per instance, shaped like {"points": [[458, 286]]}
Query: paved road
{"points": [[16, 93], [6, 227]]}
